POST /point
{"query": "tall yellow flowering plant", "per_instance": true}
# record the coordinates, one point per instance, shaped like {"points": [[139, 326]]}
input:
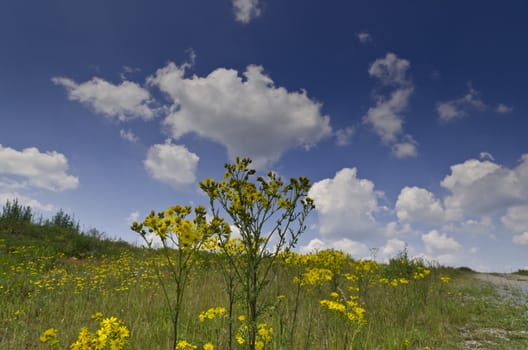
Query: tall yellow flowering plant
{"points": [[181, 238], [270, 215]]}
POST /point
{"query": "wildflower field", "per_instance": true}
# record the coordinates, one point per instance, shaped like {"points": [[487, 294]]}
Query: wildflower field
{"points": [[204, 289]]}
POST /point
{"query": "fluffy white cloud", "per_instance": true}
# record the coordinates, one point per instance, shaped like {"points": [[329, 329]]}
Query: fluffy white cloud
{"points": [[357, 250], [516, 219], [364, 37], [125, 101], [504, 109], [391, 70], [405, 149], [171, 164], [521, 239], [386, 117], [418, 205], [435, 241], [128, 135], [391, 249], [25, 201], [482, 187], [250, 116], [246, 10], [345, 205], [42, 170], [468, 173], [460, 107]]}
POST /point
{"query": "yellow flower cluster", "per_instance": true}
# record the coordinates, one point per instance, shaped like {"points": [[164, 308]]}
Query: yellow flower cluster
{"points": [[394, 282], [112, 334], [263, 336], [316, 276], [445, 279], [212, 313], [49, 336], [421, 273], [172, 227], [350, 308], [185, 345]]}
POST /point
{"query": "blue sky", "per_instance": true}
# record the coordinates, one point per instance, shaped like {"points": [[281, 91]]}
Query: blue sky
{"points": [[408, 117]]}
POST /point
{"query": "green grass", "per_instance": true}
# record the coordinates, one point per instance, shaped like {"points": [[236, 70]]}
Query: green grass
{"points": [[53, 277]]}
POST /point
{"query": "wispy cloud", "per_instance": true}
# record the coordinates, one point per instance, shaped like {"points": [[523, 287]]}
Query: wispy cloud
{"points": [[460, 107], [386, 117], [364, 37], [128, 135], [504, 109]]}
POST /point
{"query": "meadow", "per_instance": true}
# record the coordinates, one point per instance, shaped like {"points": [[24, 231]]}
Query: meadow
{"points": [[44, 286], [61, 288]]}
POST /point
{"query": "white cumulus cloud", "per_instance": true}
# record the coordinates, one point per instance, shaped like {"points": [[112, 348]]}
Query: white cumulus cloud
{"points": [[516, 218], [43, 170], [386, 118], [521, 239], [435, 241], [391, 70], [482, 187], [391, 249], [171, 164], [346, 205], [125, 101], [249, 115], [406, 148], [246, 10], [356, 249], [418, 205]]}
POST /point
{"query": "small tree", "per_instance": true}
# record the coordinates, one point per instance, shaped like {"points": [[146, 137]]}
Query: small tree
{"points": [[270, 216], [14, 216], [181, 238]]}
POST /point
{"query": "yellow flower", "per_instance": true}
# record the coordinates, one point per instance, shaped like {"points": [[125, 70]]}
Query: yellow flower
{"points": [[185, 345], [97, 316], [48, 335], [212, 313], [208, 346]]}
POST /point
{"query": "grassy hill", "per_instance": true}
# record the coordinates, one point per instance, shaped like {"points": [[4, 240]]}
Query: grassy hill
{"points": [[59, 235]]}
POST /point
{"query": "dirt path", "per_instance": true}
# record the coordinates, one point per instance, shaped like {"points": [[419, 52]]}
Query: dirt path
{"points": [[512, 290], [513, 287]]}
